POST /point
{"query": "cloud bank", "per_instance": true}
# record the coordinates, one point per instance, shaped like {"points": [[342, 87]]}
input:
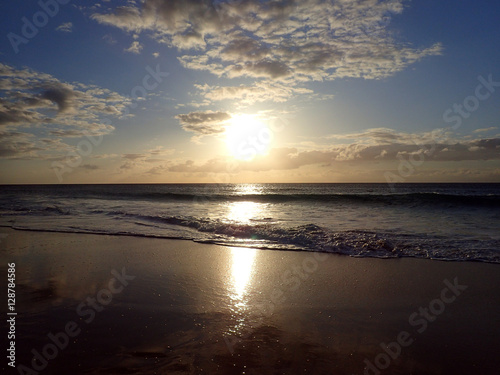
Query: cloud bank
{"points": [[374, 145]]}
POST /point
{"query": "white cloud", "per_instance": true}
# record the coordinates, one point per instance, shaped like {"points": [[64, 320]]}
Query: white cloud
{"points": [[39, 103], [260, 92], [485, 130], [301, 40], [65, 27], [127, 18], [135, 47]]}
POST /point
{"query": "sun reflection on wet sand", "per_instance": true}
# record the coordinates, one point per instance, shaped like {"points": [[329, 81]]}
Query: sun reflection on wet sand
{"points": [[241, 269]]}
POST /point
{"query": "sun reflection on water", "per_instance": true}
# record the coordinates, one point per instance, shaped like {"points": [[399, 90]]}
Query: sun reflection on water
{"points": [[243, 212], [247, 189]]}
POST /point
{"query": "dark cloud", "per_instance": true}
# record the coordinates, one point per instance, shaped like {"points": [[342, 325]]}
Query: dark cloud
{"points": [[62, 96], [247, 46], [203, 123], [487, 144]]}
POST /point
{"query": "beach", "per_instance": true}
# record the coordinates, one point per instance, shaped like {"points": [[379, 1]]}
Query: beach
{"points": [[111, 304], [250, 187]]}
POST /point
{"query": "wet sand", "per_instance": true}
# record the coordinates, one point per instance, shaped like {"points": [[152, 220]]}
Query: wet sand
{"points": [[90, 304]]}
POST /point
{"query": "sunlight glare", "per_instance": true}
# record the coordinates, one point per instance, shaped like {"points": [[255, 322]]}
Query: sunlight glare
{"points": [[247, 137]]}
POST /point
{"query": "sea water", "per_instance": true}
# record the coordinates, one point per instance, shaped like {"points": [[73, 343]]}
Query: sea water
{"points": [[436, 221]]}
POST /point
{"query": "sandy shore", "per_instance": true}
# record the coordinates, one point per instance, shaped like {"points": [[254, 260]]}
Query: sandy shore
{"points": [[124, 305]]}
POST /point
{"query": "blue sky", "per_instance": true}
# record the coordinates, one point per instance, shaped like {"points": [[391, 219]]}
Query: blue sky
{"points": [[309, 90]]}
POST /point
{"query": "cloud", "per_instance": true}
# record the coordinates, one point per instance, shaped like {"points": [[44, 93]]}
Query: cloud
{"points": [[437, 145], [263, 68], [388, 146], [204, 123], [60, 95], [13, 144], [26, 146], [485, 130], [154, 155], [277, 159], [158, 170], [388, 136], [278, 47], [294, 40], [48, 109], [109, 39], [127, 18], [260, 92], [133, 156], [65, 27], [90, 167], [32, 98], [135, 47], [105, 156]]}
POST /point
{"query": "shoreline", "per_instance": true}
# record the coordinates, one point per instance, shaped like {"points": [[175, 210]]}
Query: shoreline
{"points": [[195, 308], [151, 236]]}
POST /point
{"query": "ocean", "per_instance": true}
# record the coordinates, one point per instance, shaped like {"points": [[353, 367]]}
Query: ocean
{"points": [[456, 222]]}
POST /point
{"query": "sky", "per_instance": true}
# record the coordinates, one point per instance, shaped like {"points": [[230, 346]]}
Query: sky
{"points": [[173, 91]]}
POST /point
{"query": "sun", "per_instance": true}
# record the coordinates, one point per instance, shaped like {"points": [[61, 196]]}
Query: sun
{"points": [[247, 137]]}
